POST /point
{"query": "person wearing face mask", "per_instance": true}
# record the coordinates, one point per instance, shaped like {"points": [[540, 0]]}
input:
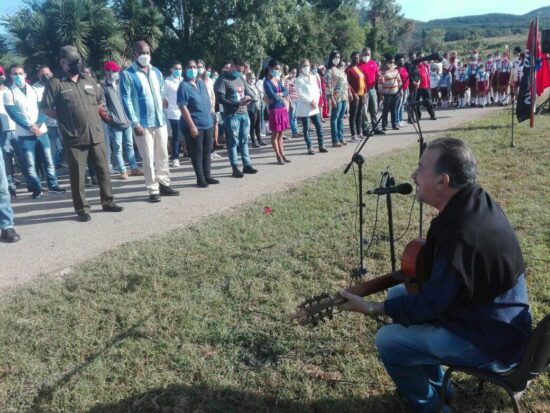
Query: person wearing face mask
{"points": [[8, 137], [471, 72], [308, 89], [142, 88], [290, 85], [119, 126], [357, 88], [275, 92], [76, 102], [423, 92], [371, 71], [337, 96], [196, 123], [404, 95], [234, 94], [22, 103], [390, 87], [44, 76], [172, 111], [483, 82], [7, 231], [254, 108], [204, 73]]}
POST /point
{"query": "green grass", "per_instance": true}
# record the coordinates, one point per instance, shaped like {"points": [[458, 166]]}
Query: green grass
{"points": [[198, 320]]}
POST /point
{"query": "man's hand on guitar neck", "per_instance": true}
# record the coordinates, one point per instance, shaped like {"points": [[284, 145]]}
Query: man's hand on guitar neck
{"points": [[357, 304]]}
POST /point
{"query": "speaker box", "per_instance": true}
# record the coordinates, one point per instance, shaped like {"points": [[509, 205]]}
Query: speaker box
{"points": [[545, 41]]}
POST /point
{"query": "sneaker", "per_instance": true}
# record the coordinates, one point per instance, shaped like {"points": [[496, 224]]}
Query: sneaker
{"points": [[201, 183], [261, 142], [237, 172], [212, 181], [166, 190], [176, 163], [36, 194], [395, 127], [84, 216], [322, 149], [57, 190], [353, 138], [248, 169], [310, 151], [153, 198], [255, 144], [112, 208], [344, 143], [337, 145], [9, 235], [379, 132], [123, 176], [136, 172]]}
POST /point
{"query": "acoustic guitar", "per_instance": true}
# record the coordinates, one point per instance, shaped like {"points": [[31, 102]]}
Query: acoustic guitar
{"points": [[412, 273]]}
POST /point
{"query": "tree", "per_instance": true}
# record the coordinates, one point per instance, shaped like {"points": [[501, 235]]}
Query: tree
{"points": [[434, 40], [386, 22], [4, 49]]}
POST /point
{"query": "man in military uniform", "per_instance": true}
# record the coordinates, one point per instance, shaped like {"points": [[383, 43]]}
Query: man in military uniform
{"points": [[76, 101]]}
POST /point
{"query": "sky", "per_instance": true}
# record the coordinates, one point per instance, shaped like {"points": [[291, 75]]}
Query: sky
{"points": [[422, 10]]}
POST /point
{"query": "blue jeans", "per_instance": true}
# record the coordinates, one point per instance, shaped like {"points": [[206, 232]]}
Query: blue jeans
{"points": [[56, 146], [292, 119], [6, 213], [122, 141], [401, 105], [413, 356], [27, 147], [237, 129], [316, 119], [337, 121], [8, 147], [262, 118], [176, 138]]}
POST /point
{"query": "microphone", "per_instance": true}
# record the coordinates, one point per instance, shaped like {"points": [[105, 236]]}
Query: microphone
{"points": [[402, 189]]}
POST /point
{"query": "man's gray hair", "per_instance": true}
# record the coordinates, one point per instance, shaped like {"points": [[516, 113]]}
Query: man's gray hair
{"points": [[456, 160]]}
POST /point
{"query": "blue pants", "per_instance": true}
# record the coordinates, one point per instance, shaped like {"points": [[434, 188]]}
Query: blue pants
{"points": [[237, 129], [176, 138], [337, 121], [8, 147], [413, 356], [56, 146], [316, 119], [292, 119], [122, 141], [27, 147], [6, 213]]}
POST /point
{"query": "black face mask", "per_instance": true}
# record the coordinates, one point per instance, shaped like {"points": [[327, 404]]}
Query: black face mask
{"points": [[2, 79], [355, 61], [75, 68], [45, 78]]}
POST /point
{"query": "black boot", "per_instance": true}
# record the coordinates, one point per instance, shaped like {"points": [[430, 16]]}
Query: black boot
{"points": [[237, 172]]}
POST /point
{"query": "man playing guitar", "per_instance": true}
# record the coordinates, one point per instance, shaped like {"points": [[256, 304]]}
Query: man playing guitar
{"points": [[473, 309]]}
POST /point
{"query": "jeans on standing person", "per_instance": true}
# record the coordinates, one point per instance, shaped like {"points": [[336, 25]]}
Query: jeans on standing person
{"points": [[6, 212], [316, 119], [27, 147], [389, 106], [123, 146], [108, 149], [401, 106], [413, 356], [370, 106], [175, 139], [199, 149], [337, 121], [356, 115], [8, 146], [56, 147], [292, 119], [237, 130], [262, 118]]}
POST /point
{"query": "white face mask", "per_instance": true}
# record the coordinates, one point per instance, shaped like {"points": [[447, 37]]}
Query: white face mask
{"points": [[336, 61], [200, 70], [144, 59], [365, 58], [305, 70], [115, 76]]}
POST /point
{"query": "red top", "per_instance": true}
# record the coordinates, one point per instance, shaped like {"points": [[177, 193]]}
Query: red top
{"points": [[404, 77], [424, 73], [356, 80], [370, 69]]}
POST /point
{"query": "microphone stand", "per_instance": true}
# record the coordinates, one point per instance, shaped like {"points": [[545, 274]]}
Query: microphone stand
{"points": [[390, 181]]}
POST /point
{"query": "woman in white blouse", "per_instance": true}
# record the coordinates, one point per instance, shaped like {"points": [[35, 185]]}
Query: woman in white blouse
{"points": [[308, 88]]}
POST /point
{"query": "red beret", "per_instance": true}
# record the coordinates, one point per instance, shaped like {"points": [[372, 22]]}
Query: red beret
{"points": [[2, 70], [112, 67]]}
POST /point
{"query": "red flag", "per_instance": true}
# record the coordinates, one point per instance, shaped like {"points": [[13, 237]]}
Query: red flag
{"points": [[543, 74], [533, 45]]}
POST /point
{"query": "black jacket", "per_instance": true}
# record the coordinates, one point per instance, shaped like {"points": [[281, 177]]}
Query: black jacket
{"points": [[115, 109]]}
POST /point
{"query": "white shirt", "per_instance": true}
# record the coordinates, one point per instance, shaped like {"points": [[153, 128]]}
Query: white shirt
{"points": [[307, 88], [28, 104], [7, 123], [171, 95], [40, 88]]}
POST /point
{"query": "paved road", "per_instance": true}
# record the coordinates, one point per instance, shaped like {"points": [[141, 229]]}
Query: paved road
{"points": [[53, 241]]}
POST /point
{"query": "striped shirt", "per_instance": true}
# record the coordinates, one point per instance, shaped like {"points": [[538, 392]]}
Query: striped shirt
{"points": [[142, 96], [389, 82], [290, 84]]}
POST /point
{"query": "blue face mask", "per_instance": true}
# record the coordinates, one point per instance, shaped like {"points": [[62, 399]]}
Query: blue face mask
{"points": [[314, 70], [208, 73], [236, 74], [275, 74], [19, 80], [191, 73], [176, 73]]}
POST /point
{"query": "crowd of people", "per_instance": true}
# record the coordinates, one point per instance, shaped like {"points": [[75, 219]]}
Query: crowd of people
{"points": [[136, 114]]}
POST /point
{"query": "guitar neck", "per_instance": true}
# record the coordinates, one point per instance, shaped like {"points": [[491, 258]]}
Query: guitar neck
{"points": [[377, 284]]}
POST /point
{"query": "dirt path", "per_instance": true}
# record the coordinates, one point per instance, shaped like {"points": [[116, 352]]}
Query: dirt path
{"points": [[53, 241]]}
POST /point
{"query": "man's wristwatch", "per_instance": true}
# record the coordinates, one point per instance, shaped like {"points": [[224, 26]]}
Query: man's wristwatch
{"points": [[370, 307]]}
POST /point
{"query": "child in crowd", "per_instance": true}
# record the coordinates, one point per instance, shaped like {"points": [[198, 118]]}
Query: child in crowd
{"points": [[461, 84], [445, 85], [434, 85], [388, 86], [482, 86]]}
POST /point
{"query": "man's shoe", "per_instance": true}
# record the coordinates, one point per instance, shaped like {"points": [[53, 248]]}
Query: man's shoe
{"points": [[212, 181], [136, 172], [344, 143], [113, 208], [176, 163], [248, 169], [237, 172], [124, 176], [201, 183], [310, 151], [395, 127], [379, 132], [57, 190], [255, 144], [261, 142], [94, 180], [432, 117], [337, 145], [154, 198], [36, 194], [322, 149], [84, 216], [9, 235], [166, 190], [13, 193]]}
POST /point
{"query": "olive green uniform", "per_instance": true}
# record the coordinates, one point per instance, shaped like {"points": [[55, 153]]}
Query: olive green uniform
{"points": [[76, 105]]}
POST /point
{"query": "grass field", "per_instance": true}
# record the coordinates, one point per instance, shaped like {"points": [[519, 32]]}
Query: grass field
{"points": [[198, 320]]}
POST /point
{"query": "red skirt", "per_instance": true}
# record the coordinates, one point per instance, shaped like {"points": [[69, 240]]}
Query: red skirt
{"points": [[483, 86], [501, 79]]}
